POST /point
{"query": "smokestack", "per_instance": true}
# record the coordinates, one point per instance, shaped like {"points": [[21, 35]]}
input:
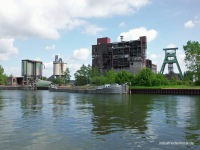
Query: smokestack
{"points": [[121, 37]]}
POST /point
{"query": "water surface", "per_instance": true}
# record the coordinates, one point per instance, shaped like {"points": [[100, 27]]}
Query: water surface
{"points": [[47, 120]]}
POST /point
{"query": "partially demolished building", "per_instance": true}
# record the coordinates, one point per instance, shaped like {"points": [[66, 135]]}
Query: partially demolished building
{"points": [[124, 55]]}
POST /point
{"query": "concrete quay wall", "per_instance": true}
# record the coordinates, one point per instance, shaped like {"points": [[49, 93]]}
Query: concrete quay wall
{"points": [[166, 91]]}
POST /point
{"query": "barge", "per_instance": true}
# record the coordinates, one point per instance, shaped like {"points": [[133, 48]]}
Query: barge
{"points": [[104, 89]]}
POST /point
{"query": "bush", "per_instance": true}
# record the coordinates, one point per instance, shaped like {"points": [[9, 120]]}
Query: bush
{"points": [[173, 81], [197, 82], [123, 77], [159, 80], [144, 77]]}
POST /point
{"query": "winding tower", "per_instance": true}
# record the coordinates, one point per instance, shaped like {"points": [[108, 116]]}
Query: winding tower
{"points": [[170, 59]]}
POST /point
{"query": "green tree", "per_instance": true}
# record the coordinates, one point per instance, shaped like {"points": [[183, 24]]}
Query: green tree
{"points": [[93, 73], [123, 77], [159, 79], [192, 57], [110, 76], [173, 81], [107, 77], [67, 75], [188, 76], [144, 77], [3, 77], [82, 75], [11, 75]]}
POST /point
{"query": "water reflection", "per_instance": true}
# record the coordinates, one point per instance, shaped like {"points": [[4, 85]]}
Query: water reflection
{"points": [[1, 103], [31, 102], [61, 103], [45, 120], [192, 128], [120, 112]]}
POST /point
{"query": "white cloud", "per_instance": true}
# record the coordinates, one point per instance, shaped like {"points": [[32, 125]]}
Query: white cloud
{"points": [[81, 54], [45, 19], [171, 46], [189, 24], [48, 69], [155, 56], [7, 48], [37, 59], [134, 34], [92, 30], [192, 23], [73, 67], [51, 47], [122, 24]]}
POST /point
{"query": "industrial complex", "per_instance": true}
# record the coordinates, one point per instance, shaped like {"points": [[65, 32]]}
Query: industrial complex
{"points": [[123, 55], [32, 71]]}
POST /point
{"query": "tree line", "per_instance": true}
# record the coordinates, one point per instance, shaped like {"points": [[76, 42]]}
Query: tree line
{"points": [[88, 75]]}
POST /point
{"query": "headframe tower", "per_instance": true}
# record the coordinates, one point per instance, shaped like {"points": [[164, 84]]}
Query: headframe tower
{"points": [[170, 59]]}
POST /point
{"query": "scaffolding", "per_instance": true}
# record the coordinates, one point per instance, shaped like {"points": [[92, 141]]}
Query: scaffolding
{"points": [[170, 59]]}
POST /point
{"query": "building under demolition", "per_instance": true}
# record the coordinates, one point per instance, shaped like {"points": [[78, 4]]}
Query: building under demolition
{"points": [[124, 55]]}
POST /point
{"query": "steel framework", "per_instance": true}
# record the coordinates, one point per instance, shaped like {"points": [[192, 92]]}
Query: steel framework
{"points": [[170, 59]]}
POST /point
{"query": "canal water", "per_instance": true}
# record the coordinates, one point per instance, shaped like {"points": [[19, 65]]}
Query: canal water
{"points": [[68, 121]]}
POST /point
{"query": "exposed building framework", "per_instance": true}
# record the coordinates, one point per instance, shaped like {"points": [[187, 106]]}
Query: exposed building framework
{"points": [[126, 55], [170, 59]]}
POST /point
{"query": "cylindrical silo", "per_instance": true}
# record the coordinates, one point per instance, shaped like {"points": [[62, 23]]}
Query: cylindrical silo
{"points": [[56, 68], [38, 69], [64, 66], [59, 67], [29, 69]]}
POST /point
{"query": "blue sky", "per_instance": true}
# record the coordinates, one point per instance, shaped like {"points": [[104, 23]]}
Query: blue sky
{"points": [[41, 29]]}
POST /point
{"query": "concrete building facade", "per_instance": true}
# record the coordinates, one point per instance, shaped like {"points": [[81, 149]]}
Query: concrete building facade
{"points": [[124, 55]]}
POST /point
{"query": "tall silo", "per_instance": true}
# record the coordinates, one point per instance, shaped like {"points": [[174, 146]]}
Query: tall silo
{"points": [[38, 68], [58, 67], [31, 70]]}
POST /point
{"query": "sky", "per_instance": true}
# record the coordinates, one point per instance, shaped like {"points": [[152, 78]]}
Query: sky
{"points": [[41, 29]]}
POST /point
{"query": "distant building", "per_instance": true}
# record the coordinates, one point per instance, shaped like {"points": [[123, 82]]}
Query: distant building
{"points": [[31, 70], [59, 67], [153, 67], [15, 81], [124, 55], [148, 63]]}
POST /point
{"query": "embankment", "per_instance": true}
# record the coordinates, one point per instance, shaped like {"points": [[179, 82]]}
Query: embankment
{"points": [[166, 91]]}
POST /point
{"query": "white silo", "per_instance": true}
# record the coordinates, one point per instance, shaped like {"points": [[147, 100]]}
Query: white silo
{"points": [[58, 67]]}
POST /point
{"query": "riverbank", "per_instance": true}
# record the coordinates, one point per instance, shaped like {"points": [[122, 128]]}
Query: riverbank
{"points": [[165, 91], [22, 88]]}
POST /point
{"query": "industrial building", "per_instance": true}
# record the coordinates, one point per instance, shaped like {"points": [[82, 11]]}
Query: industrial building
{"points": [[124, 55], [59, 67], [153, 67], [15, 81], [31, 70]]}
